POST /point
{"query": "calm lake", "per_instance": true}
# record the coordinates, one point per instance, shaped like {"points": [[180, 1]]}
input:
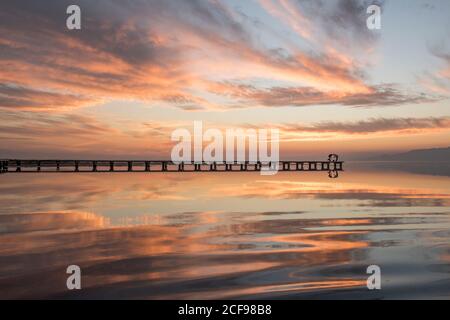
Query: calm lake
{"points": [[226, 235]]}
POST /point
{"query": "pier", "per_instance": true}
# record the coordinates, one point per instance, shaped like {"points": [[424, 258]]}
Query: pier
{"points": [[332, 166]]}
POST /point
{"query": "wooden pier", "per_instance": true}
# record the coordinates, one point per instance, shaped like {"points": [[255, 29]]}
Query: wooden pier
{"points": [[332, 166]]}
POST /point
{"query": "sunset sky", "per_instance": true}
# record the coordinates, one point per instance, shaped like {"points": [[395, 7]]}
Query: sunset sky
{"points": [[139, 69]]}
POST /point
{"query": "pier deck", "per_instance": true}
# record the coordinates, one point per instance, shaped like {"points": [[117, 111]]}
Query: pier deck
{"points": [[332, 166]]}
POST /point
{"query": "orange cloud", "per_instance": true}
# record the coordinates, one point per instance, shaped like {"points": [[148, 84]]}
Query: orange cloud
{"points": [[137, 53]]}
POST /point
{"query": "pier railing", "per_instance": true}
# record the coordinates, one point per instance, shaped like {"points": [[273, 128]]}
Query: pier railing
{"points": [[332, 166]]}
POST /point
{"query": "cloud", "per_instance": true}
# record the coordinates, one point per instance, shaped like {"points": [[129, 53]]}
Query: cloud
{"points": [[172, 53], [28, 125], [438, 81], [386, 95], [374, 125], [120, 52], [71, 135], [18, 97]]}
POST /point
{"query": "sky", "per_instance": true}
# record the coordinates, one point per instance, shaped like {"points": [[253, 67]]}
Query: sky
{"points": [[139, 69]]}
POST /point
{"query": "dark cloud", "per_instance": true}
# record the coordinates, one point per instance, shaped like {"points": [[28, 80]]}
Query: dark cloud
{"points": [[125, 30], [386, 95], [374, 125], [18, 97]]}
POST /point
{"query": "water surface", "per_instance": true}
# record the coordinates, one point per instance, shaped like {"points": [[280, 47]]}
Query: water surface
{"points": [[222, 235]]}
